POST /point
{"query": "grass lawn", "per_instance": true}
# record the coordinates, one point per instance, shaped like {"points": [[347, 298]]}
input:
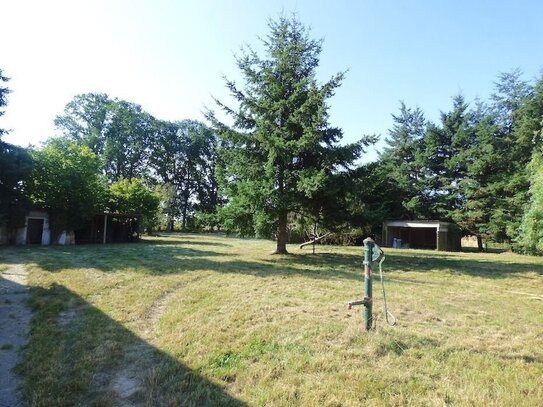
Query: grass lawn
{"points": [[209, 320]]}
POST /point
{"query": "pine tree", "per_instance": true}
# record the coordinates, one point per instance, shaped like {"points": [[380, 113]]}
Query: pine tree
{"points": [[4, 92], [444, 159], [520, 108], [280, 152], [402, 162], [15, 167], [531, 228]]}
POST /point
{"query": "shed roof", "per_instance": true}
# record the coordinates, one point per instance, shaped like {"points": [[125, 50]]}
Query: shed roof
{"points": [[419, 224]]}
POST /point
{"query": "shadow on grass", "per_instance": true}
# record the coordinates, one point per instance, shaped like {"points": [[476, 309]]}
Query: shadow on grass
{"points": [[170, 239], [78, 355], [183, 255], [414, 261], [494, 250], [153, 259], [474, 267]]}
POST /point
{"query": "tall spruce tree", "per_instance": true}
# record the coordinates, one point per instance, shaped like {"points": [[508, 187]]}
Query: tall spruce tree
{"points": [[402, 162], [4, 92], [444, 158], [530, 239], [519, 108], [280, 151]]}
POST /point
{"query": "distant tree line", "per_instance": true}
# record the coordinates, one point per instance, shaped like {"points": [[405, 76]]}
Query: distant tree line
{"points": [[276, 168], [111, 156], [475, 165], [177, 158]]}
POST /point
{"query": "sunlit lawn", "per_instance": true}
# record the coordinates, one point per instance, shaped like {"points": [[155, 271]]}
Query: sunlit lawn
{"points": [[210, 320]]}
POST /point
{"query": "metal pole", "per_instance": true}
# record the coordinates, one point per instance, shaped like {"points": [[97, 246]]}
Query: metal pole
{"points": [[369, 245]]}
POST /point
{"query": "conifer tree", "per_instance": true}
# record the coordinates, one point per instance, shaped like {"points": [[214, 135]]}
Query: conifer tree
{"points": [[531, 228], [402, 160], [280, 152], [15, 166], [444, 160]]}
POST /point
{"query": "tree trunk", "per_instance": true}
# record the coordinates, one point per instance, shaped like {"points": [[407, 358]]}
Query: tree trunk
{"points": [[184, 215], [480, 243], [282, 234]]}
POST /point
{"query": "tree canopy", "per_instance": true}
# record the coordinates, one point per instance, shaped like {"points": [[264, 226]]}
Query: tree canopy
{"points": [[279, 153], [15, 166], [271, 163], [134, 197], [66, 181]]}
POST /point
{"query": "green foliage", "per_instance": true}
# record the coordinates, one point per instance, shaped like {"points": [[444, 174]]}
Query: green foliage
{"points": [[15, 166], [373, 198], [470, 167], [128, 138], [280, 153], [133, 144], [402, 161], [184, 156], [531, 229], [4, 91], [134, 197], [66, 181], [119, 132], [444, 159], [85, 120]]}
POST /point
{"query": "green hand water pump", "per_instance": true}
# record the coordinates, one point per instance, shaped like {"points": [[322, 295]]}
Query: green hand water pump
{"points": [[372, 254]]}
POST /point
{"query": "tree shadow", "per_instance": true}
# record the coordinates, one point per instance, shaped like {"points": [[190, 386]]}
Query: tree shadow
{"points": [[177, 257], [78, 355], [169, 240], [138, 257], [14, 320], [152, 259], [484, 267]]}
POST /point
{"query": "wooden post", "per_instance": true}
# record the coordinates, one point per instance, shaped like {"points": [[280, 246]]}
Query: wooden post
{"points": [[105, 228]]}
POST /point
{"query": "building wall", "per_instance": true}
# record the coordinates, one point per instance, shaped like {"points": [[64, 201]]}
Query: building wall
{"points": [[442, 241], [4, 235], [21, 234]]}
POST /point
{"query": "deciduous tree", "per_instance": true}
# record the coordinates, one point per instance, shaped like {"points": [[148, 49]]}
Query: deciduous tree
{"points": [[134, 197], [66, 181]]}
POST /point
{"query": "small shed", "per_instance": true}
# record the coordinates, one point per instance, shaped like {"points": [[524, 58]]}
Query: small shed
{"points": [[422, 234]]}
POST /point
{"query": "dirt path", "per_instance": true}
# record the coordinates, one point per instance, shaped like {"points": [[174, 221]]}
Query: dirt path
{"points": [[14, 325]]}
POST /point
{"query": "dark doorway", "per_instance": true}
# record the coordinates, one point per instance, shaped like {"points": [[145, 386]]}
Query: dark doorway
{"points": [[423, 238], [34, 231]]}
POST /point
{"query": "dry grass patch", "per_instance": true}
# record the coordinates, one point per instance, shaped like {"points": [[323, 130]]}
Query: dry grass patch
{"points": [[195, 319]]}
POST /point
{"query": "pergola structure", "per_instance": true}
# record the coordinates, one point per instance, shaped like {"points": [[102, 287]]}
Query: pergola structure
{"points": [[110, 227]]}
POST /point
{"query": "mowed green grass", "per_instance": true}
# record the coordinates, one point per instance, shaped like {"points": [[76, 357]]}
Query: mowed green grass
{"points": [[210, 320]]}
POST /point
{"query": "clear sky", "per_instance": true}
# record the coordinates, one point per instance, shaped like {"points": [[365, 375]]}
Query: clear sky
{"points": [[169, 55]]}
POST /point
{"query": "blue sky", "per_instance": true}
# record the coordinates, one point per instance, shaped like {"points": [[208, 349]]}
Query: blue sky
{"points": [[169, 55]]}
